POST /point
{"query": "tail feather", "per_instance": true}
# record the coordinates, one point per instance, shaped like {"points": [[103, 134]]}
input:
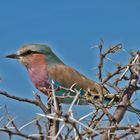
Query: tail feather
{"points": [[133, 109]]}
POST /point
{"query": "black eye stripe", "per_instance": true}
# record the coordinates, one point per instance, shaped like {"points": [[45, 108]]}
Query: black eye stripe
{"points": [[28, 52]]}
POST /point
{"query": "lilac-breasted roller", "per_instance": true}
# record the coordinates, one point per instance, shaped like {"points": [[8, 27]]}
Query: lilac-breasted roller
{"points": [[44, 66]]}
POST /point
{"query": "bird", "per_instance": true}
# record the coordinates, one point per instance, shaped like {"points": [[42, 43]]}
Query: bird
{"points": [[44, 66]]}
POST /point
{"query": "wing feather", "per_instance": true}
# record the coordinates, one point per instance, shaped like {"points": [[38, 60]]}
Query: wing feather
{"points": [[67, 76]]}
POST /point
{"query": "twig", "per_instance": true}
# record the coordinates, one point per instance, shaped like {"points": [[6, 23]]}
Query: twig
{"points": [[40, 130], [17, 134], [127, 68]]}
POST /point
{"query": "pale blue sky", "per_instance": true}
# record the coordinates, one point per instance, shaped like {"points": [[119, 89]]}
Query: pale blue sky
{"points": [[71, 27]]}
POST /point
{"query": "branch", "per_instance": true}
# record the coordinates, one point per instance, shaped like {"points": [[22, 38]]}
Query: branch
{"points": [[126, 96], [17, 133], [18, 98], [40, 130], [36, 102]]}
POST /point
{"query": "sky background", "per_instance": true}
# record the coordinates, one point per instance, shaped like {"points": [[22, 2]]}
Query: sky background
{"points": [[71, 28]]}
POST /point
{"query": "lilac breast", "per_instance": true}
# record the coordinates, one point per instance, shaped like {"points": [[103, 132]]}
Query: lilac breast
{"points": [[39, 77]]}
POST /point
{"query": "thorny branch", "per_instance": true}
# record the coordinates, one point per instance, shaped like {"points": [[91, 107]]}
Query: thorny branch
{"points": [[36, 102], [126, 94]]}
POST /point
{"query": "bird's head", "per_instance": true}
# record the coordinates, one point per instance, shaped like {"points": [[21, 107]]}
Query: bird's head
{"points": [[34, 53]]}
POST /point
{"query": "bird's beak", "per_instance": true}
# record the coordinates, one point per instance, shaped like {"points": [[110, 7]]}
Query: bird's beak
{"points": [[14, 56]]}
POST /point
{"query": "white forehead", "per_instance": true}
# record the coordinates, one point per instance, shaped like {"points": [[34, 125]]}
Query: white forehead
{"points": [[22, 50]]}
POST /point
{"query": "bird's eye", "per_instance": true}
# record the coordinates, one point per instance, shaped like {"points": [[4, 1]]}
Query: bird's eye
{"points": [[27, 53]]}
